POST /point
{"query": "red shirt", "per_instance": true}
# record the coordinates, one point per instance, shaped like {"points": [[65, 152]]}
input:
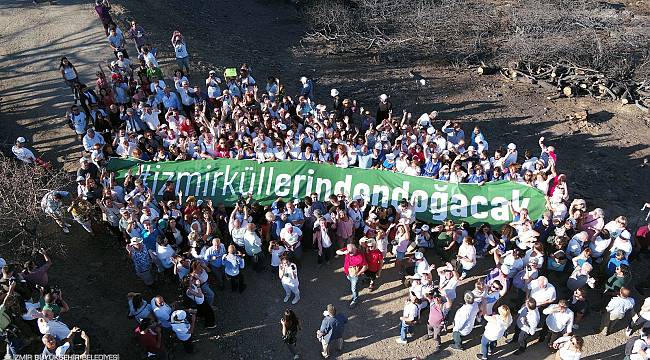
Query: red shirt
{"points": [[148, 340], [373, 258], [357, 260], [643, 232]]}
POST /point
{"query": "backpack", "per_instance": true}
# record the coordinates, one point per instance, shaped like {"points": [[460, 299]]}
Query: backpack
{"points": [[629, 345]]}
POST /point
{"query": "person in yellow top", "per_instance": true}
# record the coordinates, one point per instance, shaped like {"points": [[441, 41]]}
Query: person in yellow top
{"points": [[81, 210]]}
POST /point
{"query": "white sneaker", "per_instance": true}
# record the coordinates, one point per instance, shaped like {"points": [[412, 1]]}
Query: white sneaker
{"points": [[286, 298], [295, 300], [628, 332], [65, 230], [400, 341]]}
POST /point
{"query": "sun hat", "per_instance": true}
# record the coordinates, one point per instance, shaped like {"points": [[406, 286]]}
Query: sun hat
{"points": [[136, 240], [178, 315]]}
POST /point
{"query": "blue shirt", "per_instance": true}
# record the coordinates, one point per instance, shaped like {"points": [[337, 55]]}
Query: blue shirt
{"points": [[150, 238], [217, 253], [232, 263], [431, 169], [332, 327], [170, 101]]}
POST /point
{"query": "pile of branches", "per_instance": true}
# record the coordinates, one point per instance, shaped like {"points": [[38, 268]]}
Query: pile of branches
{"points": [[24, 227], [611, 39], [567, 81]]}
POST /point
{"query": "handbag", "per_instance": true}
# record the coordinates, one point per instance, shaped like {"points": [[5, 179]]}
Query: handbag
{"points": [[353, 270]]}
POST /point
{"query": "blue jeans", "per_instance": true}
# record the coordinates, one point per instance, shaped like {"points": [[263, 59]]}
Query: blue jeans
{"points": [[404, 329], [353, 286], [485, 344], [209, 294]]}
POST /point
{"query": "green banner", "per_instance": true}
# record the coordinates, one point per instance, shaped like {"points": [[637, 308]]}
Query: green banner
{"points": [[223, 180]]}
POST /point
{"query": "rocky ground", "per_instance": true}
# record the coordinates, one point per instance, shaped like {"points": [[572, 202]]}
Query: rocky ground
{"points": [[602, 157]]}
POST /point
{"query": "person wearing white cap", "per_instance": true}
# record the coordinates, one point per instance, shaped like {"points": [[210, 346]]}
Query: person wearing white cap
{"points": [[622, 242], [21, 152], [510, 156], [423, 237], [184, 327], [384, 108], [307, 88]]}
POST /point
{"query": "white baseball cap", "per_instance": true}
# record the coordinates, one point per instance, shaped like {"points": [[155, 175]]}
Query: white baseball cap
{"points": [[178, 315], [383, 97], [334, 92], [21, 139]]}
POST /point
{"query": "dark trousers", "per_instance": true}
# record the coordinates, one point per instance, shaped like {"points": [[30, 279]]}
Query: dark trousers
{"points": [[237, 282], [188, 346], [521, 337], [205, 311], [606, 324], [548, 336], [326, 255]]}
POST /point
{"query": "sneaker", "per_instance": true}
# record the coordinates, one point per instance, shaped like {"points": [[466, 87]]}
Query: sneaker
{"points": [[400, 341], [286, 298], [454, 347], [325, 356], [481, 357], [65, 230], [628, 332], [295, 300]]}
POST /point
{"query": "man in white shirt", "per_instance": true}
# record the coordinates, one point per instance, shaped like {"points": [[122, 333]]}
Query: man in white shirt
{"points": [[615, 310], [542, 291], [47, 325], [464, 320], [409, 315], [22, 153], [77, 120], [150, 117], [290, 236], [526, 325], [559, 322], [91, 138]]}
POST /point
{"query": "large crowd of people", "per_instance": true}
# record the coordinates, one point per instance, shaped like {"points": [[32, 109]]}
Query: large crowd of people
{"points": [[549, 268]]}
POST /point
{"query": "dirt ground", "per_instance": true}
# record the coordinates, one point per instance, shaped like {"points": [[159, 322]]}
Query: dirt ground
{"points": [[602, 158]]}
